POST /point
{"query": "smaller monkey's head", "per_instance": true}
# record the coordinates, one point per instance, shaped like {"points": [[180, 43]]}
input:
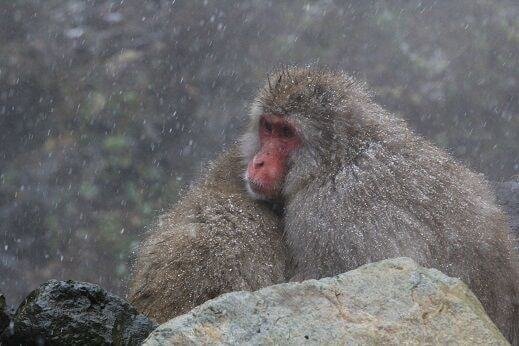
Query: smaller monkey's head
{"points": [[295, 122]]}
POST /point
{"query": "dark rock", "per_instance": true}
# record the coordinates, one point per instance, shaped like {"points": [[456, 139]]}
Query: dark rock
{"points": [[4, 314], [508, 197], [65, 313]]}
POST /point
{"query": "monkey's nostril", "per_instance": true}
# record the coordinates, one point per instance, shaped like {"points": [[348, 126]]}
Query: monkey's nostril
{"points": [[258, 161]]}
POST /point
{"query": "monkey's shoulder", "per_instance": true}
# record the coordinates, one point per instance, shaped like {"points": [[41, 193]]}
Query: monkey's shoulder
{"points": [[206, 213]]}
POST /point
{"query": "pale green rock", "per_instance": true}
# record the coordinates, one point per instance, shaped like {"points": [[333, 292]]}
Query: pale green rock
{"points": [[392, 302]]}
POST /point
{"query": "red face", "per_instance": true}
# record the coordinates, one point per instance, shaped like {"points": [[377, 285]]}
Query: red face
{"points": [[266, 171]]}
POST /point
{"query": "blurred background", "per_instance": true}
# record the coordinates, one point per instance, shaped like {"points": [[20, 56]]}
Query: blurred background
{"points": [[109, 108]]}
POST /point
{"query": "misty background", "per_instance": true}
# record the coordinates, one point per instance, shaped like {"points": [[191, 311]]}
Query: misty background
{"points": [[108, 109]]}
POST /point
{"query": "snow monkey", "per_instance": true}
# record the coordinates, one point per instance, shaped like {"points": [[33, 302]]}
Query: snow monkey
{"points": [[359, 186], [215, 240]]}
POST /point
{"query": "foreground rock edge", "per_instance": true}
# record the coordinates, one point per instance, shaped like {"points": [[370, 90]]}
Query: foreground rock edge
{"points": [[390, 302], [71, 312]]}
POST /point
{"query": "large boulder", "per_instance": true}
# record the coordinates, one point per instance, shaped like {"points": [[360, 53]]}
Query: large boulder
{"points": [[75, 313], [390, 302]]}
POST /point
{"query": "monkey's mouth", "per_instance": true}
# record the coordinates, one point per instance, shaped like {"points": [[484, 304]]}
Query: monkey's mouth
{"points": [[260, 191]]}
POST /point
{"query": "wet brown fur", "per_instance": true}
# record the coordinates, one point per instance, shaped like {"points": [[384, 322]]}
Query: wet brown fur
{"points": [[215, 240]]}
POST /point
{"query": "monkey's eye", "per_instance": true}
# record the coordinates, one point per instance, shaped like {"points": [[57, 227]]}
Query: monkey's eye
{"points": [[267, 126], [287, 131]]}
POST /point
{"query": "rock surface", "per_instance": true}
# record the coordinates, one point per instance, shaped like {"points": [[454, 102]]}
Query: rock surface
{"points": [[390, 302], [65, 313]]}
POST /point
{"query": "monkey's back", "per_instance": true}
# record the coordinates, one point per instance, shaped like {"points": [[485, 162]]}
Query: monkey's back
{"points": [[414, 200], [215, 240]]}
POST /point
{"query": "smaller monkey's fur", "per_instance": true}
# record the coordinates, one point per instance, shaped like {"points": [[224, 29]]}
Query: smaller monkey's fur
{"points": [[215, 240]]}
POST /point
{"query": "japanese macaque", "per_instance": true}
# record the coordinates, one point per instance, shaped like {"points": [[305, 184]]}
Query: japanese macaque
{"points": [[215, 240], [358, 186]]}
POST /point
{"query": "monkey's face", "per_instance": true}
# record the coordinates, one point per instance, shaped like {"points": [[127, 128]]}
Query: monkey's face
{"points": [[276, 139], [293, 132]]}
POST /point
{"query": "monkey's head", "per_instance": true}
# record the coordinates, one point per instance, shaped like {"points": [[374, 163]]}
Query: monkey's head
{"points": [[300, 119]]}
